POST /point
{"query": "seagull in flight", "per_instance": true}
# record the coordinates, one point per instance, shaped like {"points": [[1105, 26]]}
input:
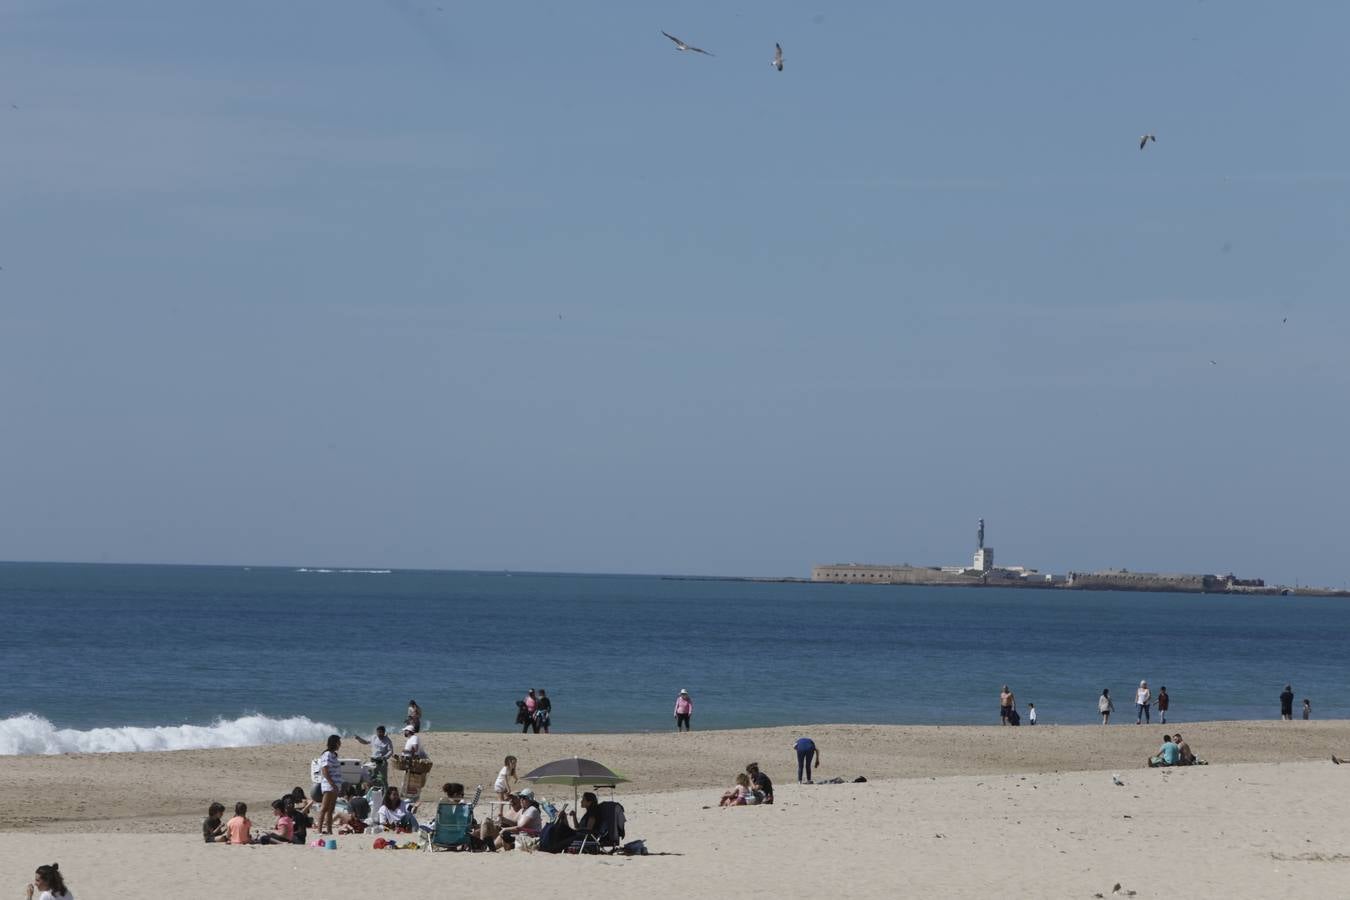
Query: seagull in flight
{"points": [[777, 57], [681, 45], [1144, 139], [1213, 362]]}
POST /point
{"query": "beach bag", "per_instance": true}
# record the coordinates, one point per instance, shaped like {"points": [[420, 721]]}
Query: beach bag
{"points": [[316, 770], [1014, 718]]}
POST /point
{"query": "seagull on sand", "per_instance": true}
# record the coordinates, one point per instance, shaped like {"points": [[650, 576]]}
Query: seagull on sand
{"points": [[777, 57], [681, 45], [1144, 139]]}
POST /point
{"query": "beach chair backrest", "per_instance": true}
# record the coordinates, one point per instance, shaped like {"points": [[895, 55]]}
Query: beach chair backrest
{"points": [[453, 821], [612, 823], [375, 797]]}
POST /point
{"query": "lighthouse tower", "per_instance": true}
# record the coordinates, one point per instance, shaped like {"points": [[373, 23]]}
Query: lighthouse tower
{"points": [[984, 556]]}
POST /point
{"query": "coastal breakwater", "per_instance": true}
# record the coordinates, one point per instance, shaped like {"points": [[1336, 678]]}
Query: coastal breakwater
{"points": [[1109, 580]]}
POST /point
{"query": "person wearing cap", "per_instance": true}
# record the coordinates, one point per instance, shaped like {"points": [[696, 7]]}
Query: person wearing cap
{"points": [[412, 742], [684, 711], [527, 823]]}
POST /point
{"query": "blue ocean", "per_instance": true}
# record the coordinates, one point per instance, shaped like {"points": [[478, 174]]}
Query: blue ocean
{"points": [[113, 657]]}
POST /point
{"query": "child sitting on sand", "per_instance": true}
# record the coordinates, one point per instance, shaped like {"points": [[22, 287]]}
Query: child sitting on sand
{"points": [[213, 832], [739, 793], [240, 828]]}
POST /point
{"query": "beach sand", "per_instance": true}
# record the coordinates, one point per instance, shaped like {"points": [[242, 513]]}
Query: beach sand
{"points": [[946, 812]]}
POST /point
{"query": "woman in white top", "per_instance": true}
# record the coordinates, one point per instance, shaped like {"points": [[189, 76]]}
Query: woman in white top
{"points": [[1143, 699], [48, 880], [1105, 705], [330, 782], [394, 812]]}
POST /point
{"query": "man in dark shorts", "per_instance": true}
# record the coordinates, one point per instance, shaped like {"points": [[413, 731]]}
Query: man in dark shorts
{"points": [[1007, 702], [760, 782], [1287, 703]]}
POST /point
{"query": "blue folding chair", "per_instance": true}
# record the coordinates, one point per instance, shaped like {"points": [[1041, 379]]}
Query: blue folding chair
{"points": [[453, 824]]}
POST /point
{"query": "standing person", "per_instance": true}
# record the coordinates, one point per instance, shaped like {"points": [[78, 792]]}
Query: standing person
{"points": [[414, 716], [1007, 702], [1105, 705], [1287, 703], [543, 712], [1143, 699], [532, 707], [1163, 702], [412, 743], [1031, 713], [381, 748], [504, 779], [330, 782], [684, 711], [1307, 709], [807, 755], [48, 880]]}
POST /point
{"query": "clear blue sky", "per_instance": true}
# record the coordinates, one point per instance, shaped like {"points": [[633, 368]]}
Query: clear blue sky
{"points": [[517, 285]]}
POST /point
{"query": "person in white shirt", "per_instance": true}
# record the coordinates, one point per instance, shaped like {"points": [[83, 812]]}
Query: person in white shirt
{"points": [[330, 783], [527, 823], [48, 880], [1031, 713], [1143, 699], [412, 743], [394, 812], [381, 748]]}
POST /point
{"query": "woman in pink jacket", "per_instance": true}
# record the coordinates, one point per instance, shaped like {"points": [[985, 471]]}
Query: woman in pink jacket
{"points": [[684, 709]]}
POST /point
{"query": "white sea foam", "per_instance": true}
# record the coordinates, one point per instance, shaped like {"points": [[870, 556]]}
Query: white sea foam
{"points": [[30, 734]]}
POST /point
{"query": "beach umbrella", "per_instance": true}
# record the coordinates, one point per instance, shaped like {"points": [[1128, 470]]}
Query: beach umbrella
{"points": [[576, 772]]}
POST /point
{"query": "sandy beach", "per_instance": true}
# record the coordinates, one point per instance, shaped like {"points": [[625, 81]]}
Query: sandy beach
{"points": [[946, 811]]}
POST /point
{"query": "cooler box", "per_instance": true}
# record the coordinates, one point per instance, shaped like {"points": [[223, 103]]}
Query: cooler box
{"points": [[355, 771]]}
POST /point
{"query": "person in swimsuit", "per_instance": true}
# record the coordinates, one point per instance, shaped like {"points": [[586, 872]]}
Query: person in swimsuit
{"points": [[1007, 702]]}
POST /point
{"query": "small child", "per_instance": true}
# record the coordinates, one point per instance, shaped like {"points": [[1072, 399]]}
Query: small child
{"points": [[213, 832], [1307, 709], [240, 828], [1031, 713]]}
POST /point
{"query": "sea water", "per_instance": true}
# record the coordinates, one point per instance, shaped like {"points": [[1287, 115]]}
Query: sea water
{"points": [[110, 658]]}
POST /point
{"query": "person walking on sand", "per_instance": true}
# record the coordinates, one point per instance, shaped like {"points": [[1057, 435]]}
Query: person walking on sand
{"points": [[1287, 703], [543, 712], [1105, 705], [684, 711], [807, 755], [1143, 699], [1007, 702], [1163, 702]]}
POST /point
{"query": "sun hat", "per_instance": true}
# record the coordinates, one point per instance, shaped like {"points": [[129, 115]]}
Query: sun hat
{"points": [[528, 792], [408, 729], [683, 691]]}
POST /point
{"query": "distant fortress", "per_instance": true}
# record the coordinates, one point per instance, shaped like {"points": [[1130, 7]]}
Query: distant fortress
{"points": [[983, 573]]}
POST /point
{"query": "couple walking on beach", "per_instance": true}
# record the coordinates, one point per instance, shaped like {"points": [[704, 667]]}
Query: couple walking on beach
{"points": [[534, 711]]}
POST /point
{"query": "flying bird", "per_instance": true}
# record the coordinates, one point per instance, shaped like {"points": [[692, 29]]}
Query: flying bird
{"points": [[1144, 139], [1213, 362], [777, 57], [681, 45]]}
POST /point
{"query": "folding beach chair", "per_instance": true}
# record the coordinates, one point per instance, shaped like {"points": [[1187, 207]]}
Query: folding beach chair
{"points": [[608, 834], [451, 829]]}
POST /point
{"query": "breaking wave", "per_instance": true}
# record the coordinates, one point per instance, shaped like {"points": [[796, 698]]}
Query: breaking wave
{"points": [[30, 734]]}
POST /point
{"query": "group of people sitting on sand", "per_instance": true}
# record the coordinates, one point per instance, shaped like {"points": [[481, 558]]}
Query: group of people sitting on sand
{"points": [[1174, 752], [752, 788]]}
